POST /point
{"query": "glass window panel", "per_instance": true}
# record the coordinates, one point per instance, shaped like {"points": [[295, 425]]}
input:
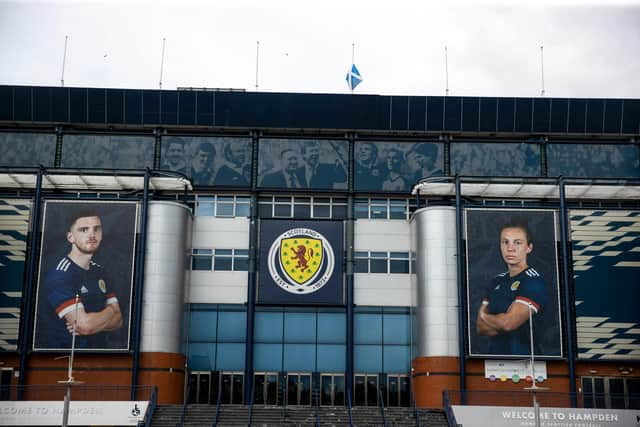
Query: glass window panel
{"points": [[397, 209], [321, 211], [367, 358], [302, 200], [598, 388], [222, 263], [241, 260], [378, 212], [299, 357], [587, 391], [201, 262], [396, 359], [24, 149], [616, 393], [202, 356], [232, 326], [106, 151], [331, 358], [331, 328], [399, 266], [202, 326], [361, 265], [368, 328], [378, 265], [633, 389], [268, 357], [361, 209], [396, 329], [268, 326], [302, 211], [243, 209], [265, 210], [224, 209], [224, 252], [339, 212], [504, 159], [230, 357], [594, 160], [204, 206], [283, 211], [299, 327]]}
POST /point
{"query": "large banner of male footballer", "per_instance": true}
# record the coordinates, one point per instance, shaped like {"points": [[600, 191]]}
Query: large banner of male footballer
{"points": [[85, 276], [301, 262], [512, 277]]}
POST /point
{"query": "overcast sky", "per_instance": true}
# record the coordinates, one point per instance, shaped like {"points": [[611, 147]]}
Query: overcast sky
{"points": [[590, 50]]}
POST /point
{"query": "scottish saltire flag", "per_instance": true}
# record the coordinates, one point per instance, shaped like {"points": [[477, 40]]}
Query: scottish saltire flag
{"points": [[353, 77]]}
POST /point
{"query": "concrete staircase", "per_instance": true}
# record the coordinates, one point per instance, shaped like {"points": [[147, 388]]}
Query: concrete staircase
{"points": [[292, 416]]}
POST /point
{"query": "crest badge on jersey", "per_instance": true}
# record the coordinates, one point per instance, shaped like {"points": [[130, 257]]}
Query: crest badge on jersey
{"points": [[103, 286], [515, 285], [300, 260]]}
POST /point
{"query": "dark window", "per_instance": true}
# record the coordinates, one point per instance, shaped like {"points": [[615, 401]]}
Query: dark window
{"points": [[223, 260], [201, 259], [593, 160], [27, 149]]}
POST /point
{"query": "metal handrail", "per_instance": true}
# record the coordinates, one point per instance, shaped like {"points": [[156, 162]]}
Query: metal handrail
{"points": [[451, 418], [217, 417], [148, 415], [317, 406], [381, 406], [253, 392], [349, 406], [180, 422]]}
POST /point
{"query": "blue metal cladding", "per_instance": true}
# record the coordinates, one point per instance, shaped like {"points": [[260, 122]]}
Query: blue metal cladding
{"points": [[606, 268], [301, 262], [319, 111], [14, 223]]}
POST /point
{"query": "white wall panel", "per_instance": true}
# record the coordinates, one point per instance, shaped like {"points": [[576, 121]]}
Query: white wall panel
{"points": [[223, 233], [382, 289], [218, 287], [382, 235]]}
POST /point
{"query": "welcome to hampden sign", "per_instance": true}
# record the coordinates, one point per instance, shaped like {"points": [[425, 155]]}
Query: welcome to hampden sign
{"points": [[503, 416]]}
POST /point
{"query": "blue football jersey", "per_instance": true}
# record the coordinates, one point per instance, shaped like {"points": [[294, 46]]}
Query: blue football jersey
{"points": [[59, 289], [526, 288]]}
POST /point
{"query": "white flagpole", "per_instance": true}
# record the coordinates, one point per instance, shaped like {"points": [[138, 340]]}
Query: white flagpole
{"points": [[162, 61], [257, 61], [446, 72], [64, 59], [542, 68], [353, 56]]}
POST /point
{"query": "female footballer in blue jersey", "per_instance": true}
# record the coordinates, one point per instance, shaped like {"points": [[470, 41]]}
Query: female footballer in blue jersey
{"points": [[77, 273], [504, 312]]}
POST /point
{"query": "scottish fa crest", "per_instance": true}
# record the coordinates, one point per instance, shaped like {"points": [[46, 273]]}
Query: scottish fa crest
{"points": [[301, 261]]}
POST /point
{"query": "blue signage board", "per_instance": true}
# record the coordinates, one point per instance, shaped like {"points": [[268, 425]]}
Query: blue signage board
{"points": [[301, 263]]}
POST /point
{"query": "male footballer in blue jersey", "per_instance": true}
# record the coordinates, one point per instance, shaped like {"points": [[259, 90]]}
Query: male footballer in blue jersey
{"points": [[77, 273], [504, 312]]}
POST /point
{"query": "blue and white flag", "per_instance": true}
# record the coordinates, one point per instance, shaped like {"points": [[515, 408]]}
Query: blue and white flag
{"points": [[353, 77]]}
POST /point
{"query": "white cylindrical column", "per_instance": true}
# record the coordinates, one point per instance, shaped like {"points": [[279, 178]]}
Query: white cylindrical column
{"points": [[165, 276], [436, 295]]}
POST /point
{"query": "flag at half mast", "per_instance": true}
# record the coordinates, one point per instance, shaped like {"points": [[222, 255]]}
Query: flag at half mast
{"points": [[353, 77]]}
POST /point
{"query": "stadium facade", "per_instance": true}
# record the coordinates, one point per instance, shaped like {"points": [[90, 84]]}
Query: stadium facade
{"points": [[273, 247]]}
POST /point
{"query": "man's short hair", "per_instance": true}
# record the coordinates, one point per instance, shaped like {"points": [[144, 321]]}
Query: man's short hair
{"points": [[374, 148], [176, 140], [207, 147], [425, 149], [521, 223], [78, 213]]}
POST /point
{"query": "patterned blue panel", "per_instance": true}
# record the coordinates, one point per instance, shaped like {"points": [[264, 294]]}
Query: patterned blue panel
{"points": [[14, 226], [606, 267]]}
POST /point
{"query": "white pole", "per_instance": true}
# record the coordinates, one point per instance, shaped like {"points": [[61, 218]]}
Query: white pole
{"points": [[446, 72], [67, 396], [542, 68], [257, 61], [64, 59], [162, 61], [353, 61], [536, 407]]}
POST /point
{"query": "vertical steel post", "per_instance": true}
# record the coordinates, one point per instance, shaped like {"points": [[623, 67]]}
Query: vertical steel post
{"points": [[569, 313], [462, 315], [139, 285]]}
